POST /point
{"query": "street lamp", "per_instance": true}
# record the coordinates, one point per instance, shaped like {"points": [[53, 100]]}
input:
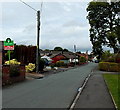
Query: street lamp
{"points": [[38, 34]]}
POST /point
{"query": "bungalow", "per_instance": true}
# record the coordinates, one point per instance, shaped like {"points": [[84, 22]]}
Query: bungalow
{"points": [[84, 55], [66, 57], [59, 57]]}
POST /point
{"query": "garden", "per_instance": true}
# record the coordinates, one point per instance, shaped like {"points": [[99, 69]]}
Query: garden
{"points": [[12, 71]]}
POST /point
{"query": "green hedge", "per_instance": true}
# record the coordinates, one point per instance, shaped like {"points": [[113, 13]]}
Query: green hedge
{"points": [[108, 66]]}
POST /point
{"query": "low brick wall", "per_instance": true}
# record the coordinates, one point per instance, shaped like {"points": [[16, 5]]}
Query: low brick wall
{"points": [[6, 79]]}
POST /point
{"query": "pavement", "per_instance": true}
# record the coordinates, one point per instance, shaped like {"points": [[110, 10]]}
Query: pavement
{"points": [[95, 94], [55, 91]]}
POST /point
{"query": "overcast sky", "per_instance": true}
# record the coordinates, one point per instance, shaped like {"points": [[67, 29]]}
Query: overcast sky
{"points": [[63, 24]]}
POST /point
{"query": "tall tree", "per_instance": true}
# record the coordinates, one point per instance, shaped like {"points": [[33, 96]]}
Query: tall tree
{"points": [[103, 19], [58, 49]]}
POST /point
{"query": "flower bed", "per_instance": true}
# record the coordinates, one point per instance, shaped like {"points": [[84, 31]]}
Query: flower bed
{"points": [[12, 74]]}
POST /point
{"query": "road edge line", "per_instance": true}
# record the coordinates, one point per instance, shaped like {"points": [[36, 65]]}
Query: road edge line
{"points": [[80, 89]]}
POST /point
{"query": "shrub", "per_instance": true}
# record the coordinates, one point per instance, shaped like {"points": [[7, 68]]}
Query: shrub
{"points": [[14, 70], [52, 66], [59, 63], [111, 59], [108, 66], [104, 66], [117, 58], [12, 62], [41, 64], [82, 59], [30, 67], [106, 55], [113, 67]]}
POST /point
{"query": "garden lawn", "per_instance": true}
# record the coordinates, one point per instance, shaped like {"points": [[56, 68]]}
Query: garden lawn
{"points": [[113, 83]]}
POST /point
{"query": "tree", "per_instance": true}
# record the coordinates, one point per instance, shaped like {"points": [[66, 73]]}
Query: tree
{"points": [[103, 19], [65, 50], [58, 49]]}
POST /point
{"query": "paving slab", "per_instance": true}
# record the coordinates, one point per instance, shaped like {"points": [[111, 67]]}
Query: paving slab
{"points": [[95, 94]]}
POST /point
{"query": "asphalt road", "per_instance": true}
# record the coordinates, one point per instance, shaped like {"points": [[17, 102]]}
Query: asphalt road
{"points": [[55, 91]]}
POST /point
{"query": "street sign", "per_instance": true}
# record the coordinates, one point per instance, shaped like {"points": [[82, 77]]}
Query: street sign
{"points": [[8, 44]]}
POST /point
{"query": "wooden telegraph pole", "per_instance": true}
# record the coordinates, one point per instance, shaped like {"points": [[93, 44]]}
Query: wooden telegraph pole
{"points": [[38, 34]]}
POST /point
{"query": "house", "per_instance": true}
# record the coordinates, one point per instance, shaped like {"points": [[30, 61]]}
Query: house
{"points": [[66, 57], [83, 54], [59, 57]]}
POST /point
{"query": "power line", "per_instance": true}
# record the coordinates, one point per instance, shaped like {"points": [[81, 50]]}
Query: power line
{"points": [[41, 7], [28, 5]]}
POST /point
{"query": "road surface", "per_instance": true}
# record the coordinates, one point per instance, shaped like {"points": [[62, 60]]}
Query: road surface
{"points": [[55, 91]]}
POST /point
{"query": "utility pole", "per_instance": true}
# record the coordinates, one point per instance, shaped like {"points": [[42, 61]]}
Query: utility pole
{"points": [[75, 53], [38, 34]]}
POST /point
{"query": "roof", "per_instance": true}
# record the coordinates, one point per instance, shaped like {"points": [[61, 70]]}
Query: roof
{"points": [[53, 53]]}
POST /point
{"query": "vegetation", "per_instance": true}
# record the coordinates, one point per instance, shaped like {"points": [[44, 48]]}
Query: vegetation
{"points": [[14, 70], [23, 54], [12, 62], [82, 59], [30, 67], [107, 56], [65, 50], [113, 81], [58, 49], [59, 63], [41, 64], [14, 67], [109, 66], [105, 25]]}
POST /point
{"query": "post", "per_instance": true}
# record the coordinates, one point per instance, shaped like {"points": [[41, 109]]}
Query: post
{"points": [[75, 53], [38, 33]]}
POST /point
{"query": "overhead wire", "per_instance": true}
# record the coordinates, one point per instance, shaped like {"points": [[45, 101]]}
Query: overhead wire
{"points": [[28, 5]]}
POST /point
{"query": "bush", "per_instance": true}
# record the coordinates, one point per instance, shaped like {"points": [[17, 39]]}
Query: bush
{"points": [[30, 67], [117, 58], [59, 63], [113, 67], [41, 64], [111, 59], [52, 66], [12, 62], [104, 66], [82, 59], [14, 70], [106, 55], [108, 66]]}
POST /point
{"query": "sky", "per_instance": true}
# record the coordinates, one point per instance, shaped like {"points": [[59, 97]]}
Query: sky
{"points": [[63, 24]]}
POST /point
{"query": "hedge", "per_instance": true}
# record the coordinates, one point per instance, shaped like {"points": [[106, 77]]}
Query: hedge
{"points": [[109, 66]]}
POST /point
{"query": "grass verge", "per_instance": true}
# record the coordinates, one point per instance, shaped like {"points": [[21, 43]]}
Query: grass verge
{"points": [[113, 83]]}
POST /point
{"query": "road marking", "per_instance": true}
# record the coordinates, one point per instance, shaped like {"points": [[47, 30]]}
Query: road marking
{"points": [[79, 91]]}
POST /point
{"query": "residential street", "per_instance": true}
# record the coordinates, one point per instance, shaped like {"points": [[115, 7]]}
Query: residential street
{"points": [[55, 91]]}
